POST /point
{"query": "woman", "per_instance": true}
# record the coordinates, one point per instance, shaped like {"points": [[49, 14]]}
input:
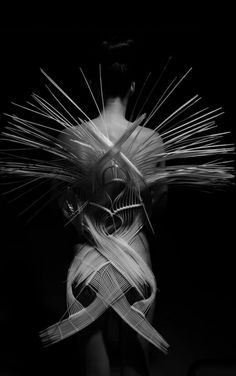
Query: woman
{"points": [[113, 222], [108, 174]]}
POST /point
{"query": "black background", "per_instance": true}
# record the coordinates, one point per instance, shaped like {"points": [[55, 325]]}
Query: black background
{"points": [[193, 250]]}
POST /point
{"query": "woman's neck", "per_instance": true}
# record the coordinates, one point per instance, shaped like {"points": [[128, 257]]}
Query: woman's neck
{"points": [[114, 108]]}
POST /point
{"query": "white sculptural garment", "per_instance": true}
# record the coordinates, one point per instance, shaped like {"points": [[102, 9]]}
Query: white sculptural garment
{"points": [[104, 188]]}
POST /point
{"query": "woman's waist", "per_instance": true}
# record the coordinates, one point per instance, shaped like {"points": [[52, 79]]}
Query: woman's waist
{"points": [[128, 253], [131, 233], [113, 218]]}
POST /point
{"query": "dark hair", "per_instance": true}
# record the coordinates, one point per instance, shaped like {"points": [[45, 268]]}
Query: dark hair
{"points": [[117, 67]]}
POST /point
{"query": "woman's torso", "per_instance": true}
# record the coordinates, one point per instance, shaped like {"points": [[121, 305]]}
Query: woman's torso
{"points": [[112, 204]]}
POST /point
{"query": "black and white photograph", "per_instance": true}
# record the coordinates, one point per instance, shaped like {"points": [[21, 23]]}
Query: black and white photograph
{"points": [[117, 194]]}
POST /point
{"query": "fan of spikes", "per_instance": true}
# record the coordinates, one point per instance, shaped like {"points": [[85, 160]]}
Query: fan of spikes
{"points": [[194, 152]]}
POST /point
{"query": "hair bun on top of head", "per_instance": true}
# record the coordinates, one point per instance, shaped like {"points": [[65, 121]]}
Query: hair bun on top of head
{"points": [[117, 60], [116, 51]]}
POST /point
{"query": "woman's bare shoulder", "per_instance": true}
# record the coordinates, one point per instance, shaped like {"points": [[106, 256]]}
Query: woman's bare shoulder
{"points": [[146, 133]]}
